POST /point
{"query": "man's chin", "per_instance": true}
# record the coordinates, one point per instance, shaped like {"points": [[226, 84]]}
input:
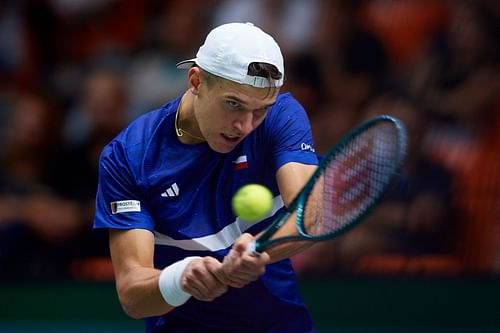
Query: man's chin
{"points": [[222, 148]]}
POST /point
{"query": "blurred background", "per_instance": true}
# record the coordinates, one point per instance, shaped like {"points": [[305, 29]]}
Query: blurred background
{"points": [[73, 73]]}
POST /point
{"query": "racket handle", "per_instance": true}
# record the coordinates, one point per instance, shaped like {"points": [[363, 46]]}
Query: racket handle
{"points": [[252, 248]]}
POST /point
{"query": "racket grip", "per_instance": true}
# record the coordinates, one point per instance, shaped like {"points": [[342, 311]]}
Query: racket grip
{"points": [[252, 248]]}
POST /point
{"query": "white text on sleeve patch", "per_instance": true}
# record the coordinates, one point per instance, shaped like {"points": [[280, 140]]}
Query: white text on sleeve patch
{"points": [[125, 206]]}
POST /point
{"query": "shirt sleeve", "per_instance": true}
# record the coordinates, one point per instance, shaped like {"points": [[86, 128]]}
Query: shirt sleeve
{"points": [[120, 202], [290, 134]]}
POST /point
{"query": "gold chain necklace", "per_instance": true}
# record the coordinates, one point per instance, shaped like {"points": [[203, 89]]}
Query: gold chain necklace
{"points": [[179, 131]]}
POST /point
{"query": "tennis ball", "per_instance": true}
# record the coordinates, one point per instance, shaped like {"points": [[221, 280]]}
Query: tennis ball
{"points": [[252, 202]]}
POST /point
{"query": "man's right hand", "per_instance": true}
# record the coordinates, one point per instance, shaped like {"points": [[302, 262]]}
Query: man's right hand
{"points": [[201, 281], [239, 267]]}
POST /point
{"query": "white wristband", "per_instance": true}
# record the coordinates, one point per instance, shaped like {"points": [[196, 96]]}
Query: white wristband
{"points": [[170, 282]]}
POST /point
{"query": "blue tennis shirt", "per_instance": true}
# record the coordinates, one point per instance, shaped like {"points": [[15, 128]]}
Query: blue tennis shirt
{"points": [[182, 193]]}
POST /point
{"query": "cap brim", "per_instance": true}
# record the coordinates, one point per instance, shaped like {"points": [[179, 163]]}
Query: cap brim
{"points": [[186, 64]]}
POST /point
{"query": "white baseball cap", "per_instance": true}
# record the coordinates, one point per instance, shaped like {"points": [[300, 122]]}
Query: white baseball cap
{"points": [[230, 48]]}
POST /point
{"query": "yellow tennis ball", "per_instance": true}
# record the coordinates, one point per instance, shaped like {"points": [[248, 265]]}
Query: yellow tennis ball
{"points": [[252, 202]]}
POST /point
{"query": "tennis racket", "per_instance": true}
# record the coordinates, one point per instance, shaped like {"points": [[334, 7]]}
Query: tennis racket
{"points": [[348, 182]]}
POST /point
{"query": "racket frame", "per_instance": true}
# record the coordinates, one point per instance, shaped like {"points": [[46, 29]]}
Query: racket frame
{"points": [[299, 202]]}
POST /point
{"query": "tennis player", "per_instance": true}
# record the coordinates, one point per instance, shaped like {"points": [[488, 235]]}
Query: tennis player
{"points": [[165, 189]]}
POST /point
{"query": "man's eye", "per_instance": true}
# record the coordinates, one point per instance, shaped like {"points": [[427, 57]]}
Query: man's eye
{"points": [[232, 104], [261, 112]]}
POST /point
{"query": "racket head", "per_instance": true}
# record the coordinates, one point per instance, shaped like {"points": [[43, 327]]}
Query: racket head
{"points": [[347, 184], [351, 178]]}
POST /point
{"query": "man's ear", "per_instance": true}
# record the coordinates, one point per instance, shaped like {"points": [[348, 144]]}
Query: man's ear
{"points": [[194, 80]]}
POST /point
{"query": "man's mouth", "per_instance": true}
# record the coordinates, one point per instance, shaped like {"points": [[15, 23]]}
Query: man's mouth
{"points": [[231, 138]]}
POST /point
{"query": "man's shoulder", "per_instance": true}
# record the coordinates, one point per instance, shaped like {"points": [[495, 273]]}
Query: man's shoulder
{"points": [[150, 122], [143, 134], [286, 98], [286, 102], [143, 128], [286, 109]]}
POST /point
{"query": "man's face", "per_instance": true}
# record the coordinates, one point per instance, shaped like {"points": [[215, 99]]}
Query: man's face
{"points": [[227, 112]]}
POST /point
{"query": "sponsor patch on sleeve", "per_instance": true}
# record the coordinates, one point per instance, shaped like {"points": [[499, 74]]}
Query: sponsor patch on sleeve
{"points": [[125, 206]]}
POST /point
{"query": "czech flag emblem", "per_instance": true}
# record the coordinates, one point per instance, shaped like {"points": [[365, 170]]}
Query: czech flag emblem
{"points": [[241, 163]]}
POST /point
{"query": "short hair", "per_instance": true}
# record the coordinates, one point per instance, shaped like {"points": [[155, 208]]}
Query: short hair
{"points": [[261, 69], [265, 70]]}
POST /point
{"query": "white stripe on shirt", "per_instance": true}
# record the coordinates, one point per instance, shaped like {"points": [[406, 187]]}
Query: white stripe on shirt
{"points": [[218, 241]]}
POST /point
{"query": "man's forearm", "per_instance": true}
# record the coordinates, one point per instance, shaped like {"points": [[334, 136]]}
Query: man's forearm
{"points": [[140, 295]]}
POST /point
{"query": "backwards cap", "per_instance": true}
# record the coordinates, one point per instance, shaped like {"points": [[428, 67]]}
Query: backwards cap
{"points": [[230, 48]]}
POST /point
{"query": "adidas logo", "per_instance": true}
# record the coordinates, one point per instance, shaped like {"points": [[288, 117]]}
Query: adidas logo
{"points": [[172, 191]]}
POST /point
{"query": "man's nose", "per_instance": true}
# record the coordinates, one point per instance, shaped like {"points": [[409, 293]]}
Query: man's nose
{"points": [[244, 123]]}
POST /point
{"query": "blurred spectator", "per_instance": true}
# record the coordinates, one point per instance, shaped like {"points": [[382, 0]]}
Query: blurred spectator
{"points": [[352, 57], [102, 112], [49, 187], [305, 81], [459, 80], [353, 65], [37, 225], [81, 34], [18, 55], [476, 163], [176, 29], [404, 26], [293, 22], [90, 29], [454, 75], [101, 109]]}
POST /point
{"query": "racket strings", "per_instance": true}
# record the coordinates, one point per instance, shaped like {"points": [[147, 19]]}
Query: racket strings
{"points": [[352, 181]]}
